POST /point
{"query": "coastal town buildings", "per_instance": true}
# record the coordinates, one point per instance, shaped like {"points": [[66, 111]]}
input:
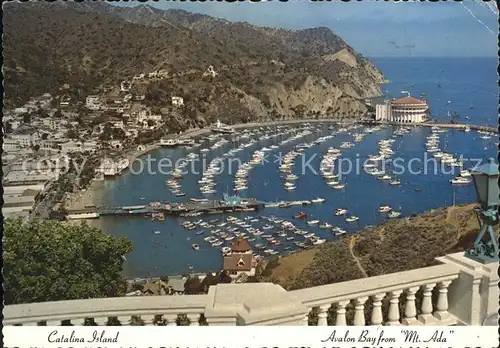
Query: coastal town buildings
{"points": [[403, 110], [177, 101]]}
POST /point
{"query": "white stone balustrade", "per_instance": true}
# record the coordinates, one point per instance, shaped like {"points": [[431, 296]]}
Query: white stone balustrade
{"points": [[465, 293], [389, 286]]}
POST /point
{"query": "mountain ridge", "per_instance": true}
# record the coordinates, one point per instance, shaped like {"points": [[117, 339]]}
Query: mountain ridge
{"points": [[264, 73]]}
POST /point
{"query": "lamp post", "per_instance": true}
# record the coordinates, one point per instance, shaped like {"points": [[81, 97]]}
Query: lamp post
{"points": [[485, 249]]}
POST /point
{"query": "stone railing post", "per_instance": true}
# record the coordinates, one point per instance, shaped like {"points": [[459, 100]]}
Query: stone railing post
{"points": [[442, 302], [78, 321], [53, 323], [101, 321], [193, 319], [393, 314], [124, 320], [323, 315], [410, 310], [359, 311], [341, 320], [171, 319], [426, 316], [376, 317]]}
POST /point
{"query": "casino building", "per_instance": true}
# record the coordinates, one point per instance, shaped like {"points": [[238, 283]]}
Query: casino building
{"points": [[403, 110]]}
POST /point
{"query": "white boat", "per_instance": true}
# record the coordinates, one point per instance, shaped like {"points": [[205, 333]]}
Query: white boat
{"points": [[394, 214], [157, 232], [352, 219], [460, 181], [318, 200], [168, 143], [221, 128], [467, 129], [339, 187], [290, 188], [340, 211], [384, 209], [465, 173], [395, 182], [313, 222], [325, 225]]}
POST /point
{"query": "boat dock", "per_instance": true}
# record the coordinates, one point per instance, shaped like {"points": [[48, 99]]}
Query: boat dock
{"points": [[188, 209]]}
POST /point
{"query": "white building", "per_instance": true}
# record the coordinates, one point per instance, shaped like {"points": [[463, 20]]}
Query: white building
{"points": [[177, 101], [403, 110], [26, 139], [21, 110], [125, 86], [73, 146], [93, 102], [11, 145]]}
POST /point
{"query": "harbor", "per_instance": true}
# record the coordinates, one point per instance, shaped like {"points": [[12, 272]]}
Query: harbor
{"points": [[279, 182]]}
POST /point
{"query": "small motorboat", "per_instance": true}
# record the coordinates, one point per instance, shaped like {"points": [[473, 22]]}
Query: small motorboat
{"points": [[156, 232], [195, 246], [384, 209], [340, 211], [318, 200], [352, 219], [313, 222], [300, 215], [394, 214], [460, 180]]}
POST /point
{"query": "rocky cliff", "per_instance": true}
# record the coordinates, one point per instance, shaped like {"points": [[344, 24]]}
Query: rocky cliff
{"points": [[262, 73]]}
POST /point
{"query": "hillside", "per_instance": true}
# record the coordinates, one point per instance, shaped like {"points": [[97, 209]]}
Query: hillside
{"points": [[394, 246], [263, 73]]}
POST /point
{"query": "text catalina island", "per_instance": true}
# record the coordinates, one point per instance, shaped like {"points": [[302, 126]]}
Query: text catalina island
{"points": [[97, 337]]}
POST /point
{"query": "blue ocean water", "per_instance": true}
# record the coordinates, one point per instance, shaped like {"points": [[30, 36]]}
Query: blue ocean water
{"points": [[469, 85]]}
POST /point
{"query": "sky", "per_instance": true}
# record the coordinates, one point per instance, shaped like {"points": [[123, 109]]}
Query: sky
{"points": [[374, 28]]}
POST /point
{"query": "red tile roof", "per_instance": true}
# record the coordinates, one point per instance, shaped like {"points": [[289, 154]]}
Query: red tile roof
{"points": [[408, 100], [238, 262], [240, 246]]}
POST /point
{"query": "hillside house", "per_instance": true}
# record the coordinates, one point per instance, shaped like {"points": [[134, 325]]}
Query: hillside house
{"points": [[177, 101], [93, 102], [65, 101], [51, 123], [241, 260], [10, 145], [139, 77], [21, 110], [26, 136], [125, 86]]}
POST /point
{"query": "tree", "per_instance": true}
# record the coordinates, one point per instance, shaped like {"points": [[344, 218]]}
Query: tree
{"points": [[72, 134], [58, 113], [8, 127], [47, 260], [26, 118]]}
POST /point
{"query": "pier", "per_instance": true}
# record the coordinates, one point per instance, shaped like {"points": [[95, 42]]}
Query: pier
{"points": [[185, 209]]}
